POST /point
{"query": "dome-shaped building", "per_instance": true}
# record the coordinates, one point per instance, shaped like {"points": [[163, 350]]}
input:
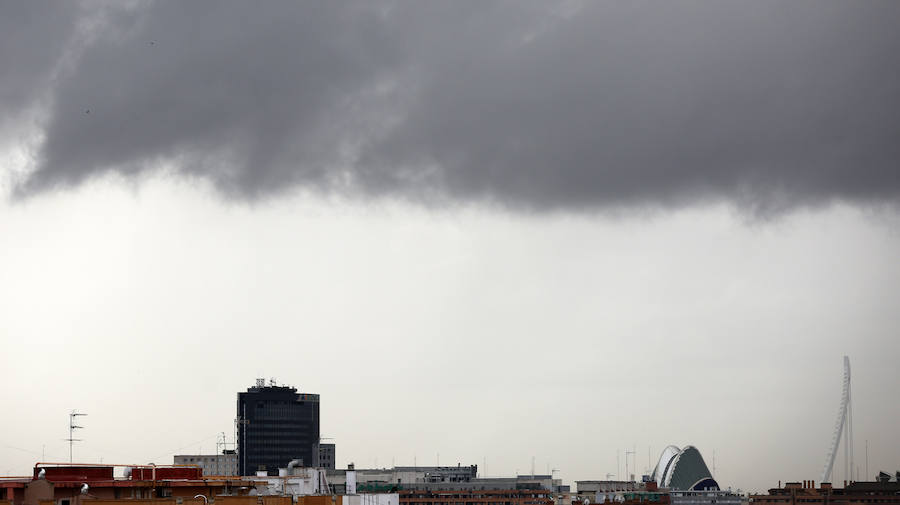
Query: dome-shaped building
{"points": [[683, 469]]}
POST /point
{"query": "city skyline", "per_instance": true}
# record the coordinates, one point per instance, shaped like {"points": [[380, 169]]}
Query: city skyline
{"points": [[618, 472], [489, 230]]}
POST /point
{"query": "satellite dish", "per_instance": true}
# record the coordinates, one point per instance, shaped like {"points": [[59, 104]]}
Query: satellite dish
{"points": [[42, 474], [84, 488]]}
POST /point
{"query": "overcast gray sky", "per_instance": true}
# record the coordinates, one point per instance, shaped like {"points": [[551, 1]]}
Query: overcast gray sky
{"points": [[481, 229]]}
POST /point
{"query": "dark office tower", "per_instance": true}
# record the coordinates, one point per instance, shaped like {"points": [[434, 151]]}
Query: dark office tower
{"points": [[276, 425]]}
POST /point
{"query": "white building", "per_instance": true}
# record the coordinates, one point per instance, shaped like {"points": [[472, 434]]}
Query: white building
{"points": [[296, 481]]}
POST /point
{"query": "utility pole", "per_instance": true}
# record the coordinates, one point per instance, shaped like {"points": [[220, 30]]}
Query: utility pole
{"points": [[72, 428]]}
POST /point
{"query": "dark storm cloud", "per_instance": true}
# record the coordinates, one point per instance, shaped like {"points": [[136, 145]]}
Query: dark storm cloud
{"points": [[767, 104], [32, 37], [244, 96]]}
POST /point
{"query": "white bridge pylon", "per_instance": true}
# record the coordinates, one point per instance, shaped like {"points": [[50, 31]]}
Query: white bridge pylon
{"points": [[844, 423]]}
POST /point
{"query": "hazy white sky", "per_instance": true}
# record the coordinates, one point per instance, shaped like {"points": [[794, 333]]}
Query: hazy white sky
{"points": [[492, 230], [473, 332]]}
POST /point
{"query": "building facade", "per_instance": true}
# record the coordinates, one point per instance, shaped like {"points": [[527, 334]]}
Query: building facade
{"points": [[882, 492], [587, 488], [413, 477], [486, 497], [326, 456], [276, 425], [81, 484], [225, 464], [438, 479], [705, 498]]}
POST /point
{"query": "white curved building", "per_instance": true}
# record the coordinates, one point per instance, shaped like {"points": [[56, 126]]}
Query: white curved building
{"points": [[683, 469]]}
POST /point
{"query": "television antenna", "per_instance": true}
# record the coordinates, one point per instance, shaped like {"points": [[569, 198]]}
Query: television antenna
{"points": [[627, 453], [72, 428]]}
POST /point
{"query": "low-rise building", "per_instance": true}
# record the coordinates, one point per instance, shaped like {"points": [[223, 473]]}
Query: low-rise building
{"points": [[883, 492], [115, 484], [709, 497], [225, 464], [326, 456], [587, 488], [476, 497], [74, 484], [386, 479], [611, 491]]}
